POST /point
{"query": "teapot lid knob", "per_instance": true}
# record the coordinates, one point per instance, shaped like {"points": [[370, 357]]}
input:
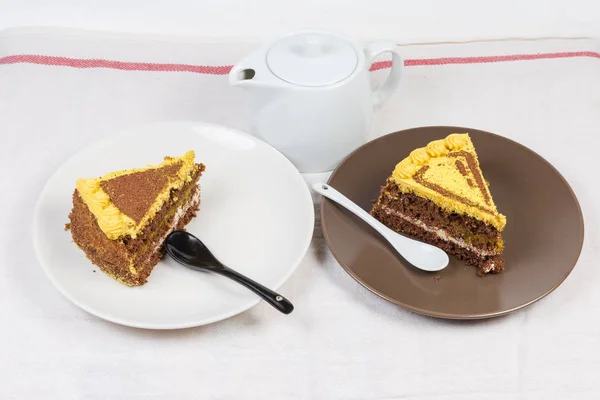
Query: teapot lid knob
{"points": [[312, 59]]}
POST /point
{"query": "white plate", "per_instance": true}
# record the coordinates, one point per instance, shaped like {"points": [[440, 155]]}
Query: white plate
{"points": [[256, 215]]}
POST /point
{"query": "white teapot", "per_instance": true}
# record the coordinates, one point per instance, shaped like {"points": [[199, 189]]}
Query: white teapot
{"points": [[311, 95]]}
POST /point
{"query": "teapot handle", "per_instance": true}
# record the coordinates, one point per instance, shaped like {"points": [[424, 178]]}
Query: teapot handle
{"points": [[390, 85]]}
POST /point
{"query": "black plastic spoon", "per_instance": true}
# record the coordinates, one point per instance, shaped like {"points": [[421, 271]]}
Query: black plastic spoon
{"points": [[188, 250]]}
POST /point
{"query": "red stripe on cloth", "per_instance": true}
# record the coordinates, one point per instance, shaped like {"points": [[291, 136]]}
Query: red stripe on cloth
{"points": [[224, 69], [121, 65], [485, 59]]}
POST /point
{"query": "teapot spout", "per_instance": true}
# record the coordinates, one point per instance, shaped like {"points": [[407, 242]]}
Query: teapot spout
{"points": [[253, 72], [241, 76]]}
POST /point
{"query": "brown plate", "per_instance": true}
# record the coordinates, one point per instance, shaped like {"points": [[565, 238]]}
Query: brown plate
{"points": [[543, 234]]}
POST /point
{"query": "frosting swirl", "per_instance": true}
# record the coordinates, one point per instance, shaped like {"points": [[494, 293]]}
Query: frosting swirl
{"points": [[419, 156], [437, 148], [405, 169], [456, 141]]}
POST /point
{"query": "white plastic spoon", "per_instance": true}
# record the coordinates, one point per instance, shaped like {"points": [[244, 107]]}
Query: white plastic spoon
{"points": [[422, 255]]}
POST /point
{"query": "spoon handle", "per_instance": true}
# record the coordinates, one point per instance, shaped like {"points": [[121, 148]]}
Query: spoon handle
{"points": [[422, 255], [275, 299], [332, 194]]}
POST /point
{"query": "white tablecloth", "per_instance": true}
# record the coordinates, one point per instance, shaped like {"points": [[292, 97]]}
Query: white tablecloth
{"points": [[341, 342]]}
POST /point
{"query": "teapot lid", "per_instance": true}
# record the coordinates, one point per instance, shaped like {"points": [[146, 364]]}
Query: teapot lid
{"points": [[312, 59]]}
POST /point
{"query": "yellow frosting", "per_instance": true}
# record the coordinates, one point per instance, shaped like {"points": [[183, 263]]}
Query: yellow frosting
{"points": [[114, 223], [436, 148], [443, 172], [418, 157]]}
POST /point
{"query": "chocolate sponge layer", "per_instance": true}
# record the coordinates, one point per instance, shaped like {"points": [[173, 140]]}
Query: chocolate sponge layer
{"points": [[475, 233]]}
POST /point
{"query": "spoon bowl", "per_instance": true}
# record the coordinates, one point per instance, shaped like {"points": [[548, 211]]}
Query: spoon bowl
{"points": [[191, 252]]}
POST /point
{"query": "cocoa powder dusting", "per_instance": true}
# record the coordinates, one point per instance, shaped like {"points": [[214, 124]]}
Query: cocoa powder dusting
{"points": [[463, 171], [461, 167], [475, 171], [133, 194]]}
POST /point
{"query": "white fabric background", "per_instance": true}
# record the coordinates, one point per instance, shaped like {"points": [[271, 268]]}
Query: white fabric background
{"points": [[407, 21], [342, 342]]}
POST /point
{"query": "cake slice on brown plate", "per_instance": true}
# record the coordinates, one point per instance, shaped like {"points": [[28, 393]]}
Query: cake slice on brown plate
{"points": [[120, 220], [438, 195]]}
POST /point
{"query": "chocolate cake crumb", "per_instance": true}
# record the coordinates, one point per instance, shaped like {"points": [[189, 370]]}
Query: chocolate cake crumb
{"points": [[478, 234], [470, 258], [115, 257]]}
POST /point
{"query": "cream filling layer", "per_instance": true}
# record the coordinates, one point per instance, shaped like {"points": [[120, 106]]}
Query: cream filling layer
{"points": [[194, 201], [442, 234]]}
